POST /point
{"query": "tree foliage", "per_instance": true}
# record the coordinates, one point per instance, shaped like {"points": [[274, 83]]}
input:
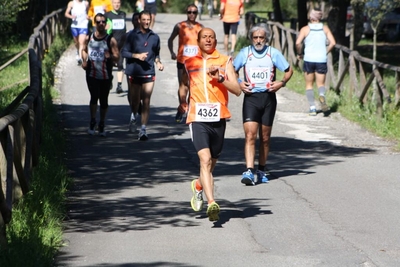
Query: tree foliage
{"points": [[376, 9], [19, 17], [10, 9]]}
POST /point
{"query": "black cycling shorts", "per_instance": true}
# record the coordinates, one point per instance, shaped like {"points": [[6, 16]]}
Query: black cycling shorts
{"points": [[259, 107], [208, 135]]}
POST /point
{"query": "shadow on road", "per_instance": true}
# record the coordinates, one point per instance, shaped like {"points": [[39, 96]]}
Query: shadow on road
{"points": [[117, 163]]}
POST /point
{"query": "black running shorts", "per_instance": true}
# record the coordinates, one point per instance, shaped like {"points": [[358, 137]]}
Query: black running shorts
{"points": [[230, 27], [142, 80], [208, 135], [311, 67], [259, 107]]}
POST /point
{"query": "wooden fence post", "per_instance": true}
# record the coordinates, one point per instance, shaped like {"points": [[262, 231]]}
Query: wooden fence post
{"points": [[397, 93]]}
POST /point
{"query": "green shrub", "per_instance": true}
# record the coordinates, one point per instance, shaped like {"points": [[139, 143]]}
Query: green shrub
{"points": [[35, 231]]}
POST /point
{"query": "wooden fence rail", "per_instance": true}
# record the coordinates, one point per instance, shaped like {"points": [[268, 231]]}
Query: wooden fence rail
{"points": [[21, 124], [347, 63]]}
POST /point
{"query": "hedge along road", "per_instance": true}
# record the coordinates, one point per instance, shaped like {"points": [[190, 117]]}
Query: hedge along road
{"points": [[334, 201]]}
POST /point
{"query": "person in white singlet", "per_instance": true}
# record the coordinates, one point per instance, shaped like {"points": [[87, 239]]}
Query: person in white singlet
{"points": [[315, 36], [77, 11], [259, 62]]}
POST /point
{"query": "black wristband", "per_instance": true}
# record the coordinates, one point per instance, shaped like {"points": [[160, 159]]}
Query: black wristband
{"points": [[221, 79]]}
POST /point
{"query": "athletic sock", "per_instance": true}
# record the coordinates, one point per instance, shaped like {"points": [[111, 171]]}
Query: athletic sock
{"points": [[261, 167], [322, 90], [198, 186], [310, 96], [250, 169]]}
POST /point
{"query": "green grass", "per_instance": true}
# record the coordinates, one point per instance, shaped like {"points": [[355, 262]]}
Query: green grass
{"points": [[15, 72], [35, 232], [365, 115]]}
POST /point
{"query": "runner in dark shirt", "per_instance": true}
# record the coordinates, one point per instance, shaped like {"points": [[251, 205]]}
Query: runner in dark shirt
{"points": [[117, 27], [142, 52]]}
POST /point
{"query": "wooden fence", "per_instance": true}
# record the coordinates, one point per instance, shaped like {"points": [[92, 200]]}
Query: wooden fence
{"points": [[21, 124], [347, 62]]}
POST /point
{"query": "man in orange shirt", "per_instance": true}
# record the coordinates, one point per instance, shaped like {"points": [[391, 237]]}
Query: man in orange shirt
{"points": [[208, 76], [187, 47], [230, 12]]}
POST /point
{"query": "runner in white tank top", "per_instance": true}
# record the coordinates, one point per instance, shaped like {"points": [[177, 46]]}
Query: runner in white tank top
{"points": [[77, 11]]}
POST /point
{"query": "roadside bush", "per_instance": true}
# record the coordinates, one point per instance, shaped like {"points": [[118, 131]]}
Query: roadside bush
{"points": [[35, 231]]}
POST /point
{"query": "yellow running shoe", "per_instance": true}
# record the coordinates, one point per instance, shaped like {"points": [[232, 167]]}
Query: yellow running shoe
{"points": [[197, 198], [324, 106], [213, 211]]}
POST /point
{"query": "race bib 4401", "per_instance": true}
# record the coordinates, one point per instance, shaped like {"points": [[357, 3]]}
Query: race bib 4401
{"points": [[259, 75]]}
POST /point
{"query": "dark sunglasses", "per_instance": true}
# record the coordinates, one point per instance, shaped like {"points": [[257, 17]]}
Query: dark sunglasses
{"points": [[192, 12], [100, 21]]}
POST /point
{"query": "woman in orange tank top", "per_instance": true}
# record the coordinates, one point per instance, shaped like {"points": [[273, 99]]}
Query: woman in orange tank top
{"points": [[230, 13]]}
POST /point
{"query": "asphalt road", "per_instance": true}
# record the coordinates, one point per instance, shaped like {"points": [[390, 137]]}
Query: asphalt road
{"points": [[335, 200]]}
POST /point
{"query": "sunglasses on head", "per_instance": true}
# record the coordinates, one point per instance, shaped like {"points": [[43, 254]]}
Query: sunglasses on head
{"points": [[192, 12], [100, 21]]}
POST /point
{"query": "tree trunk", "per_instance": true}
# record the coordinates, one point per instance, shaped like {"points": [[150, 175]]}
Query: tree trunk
{"points": [[302, 13], [336, 17], [277, 11], [358, 22]]}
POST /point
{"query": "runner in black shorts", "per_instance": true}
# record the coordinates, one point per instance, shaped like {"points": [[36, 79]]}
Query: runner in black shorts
{"points": [[207, 78], [117, 27], [230, 13], [259, 105], [101, 52]]}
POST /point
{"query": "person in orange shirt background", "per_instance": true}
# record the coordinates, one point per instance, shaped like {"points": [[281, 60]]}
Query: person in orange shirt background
{"points": [[98, 6], [187, 31], [230, 13]]}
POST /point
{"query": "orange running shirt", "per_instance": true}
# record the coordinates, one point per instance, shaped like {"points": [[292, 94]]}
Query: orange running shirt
{"points": [[99, 6], [203, 89], [187, 46], [231, 10]]}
